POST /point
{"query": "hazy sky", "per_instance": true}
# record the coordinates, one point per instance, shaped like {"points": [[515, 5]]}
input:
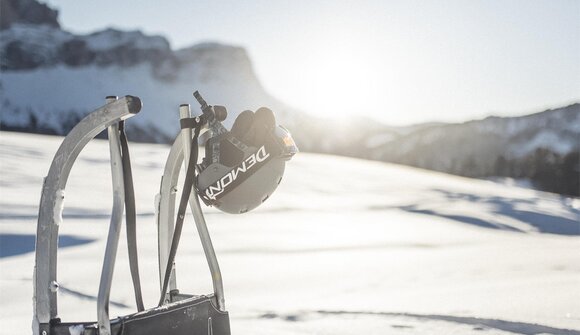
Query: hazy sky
{"points": [[397, 61]]}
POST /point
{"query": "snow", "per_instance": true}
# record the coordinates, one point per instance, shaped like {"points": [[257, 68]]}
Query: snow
{"points": [[43, 41], [56, 94], [523, 182], [38, 35], [541, 130], [51, 38], [379, 139], [52, 96], [344, 246], [546, 139], [76, 330], [111, 38]]}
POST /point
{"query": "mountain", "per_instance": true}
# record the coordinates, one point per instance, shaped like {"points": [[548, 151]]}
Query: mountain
{"points": [[51, 78], [26, 11], [543, 147], [439, 146]]}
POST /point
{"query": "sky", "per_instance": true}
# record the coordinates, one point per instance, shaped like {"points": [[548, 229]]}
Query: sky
{"points": [[400, 62]]}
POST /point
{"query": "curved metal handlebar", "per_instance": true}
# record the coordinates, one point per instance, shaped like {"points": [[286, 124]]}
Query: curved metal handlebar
{"points": [[52, 201]]}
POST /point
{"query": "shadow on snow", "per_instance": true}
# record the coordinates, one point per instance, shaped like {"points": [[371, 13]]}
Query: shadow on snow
{"points": [[508, 207], [509, 326], [18, 244]]}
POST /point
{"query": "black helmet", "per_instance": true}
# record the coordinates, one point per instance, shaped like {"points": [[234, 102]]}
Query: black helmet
{"points": [[244, 166]]}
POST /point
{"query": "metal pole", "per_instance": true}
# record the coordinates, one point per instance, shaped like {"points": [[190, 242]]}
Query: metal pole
{"points": [[165, 203], [114, 228], [186, 134]]}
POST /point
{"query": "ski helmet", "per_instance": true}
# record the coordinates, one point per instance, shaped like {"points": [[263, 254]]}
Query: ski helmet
{"points": [[243, 167]]}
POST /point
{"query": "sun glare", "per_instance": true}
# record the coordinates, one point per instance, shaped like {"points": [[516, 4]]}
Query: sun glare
{"points": [[342, 80], [345, 74]]}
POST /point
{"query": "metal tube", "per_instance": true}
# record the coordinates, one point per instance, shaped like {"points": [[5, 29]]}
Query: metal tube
{"points": [[212, 262], [166, 214], [186, 135], [114, 228]]}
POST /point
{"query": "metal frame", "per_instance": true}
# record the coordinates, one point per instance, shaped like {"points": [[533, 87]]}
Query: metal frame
{"points": [[166, 214], [45, 319], [51, 206]]}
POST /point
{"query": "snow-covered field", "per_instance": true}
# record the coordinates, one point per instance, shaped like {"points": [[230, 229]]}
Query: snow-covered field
{"points": [[345, 246]]}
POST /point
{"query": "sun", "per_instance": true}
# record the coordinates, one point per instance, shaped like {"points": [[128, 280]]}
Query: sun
{"points": [[348, 73], [341, 81]]}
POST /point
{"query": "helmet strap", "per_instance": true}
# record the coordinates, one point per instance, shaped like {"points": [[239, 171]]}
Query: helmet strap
{"points": [[185, 194]]}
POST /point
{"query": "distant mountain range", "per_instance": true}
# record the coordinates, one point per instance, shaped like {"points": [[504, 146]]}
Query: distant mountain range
{"points": [[51, 78], [543, 147]]}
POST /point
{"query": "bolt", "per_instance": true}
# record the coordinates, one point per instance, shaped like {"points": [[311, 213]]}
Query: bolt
{"points": [[54, 286]]}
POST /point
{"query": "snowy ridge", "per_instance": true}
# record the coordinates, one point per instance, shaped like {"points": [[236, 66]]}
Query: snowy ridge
{"points": [[556, 130], [112, 38], [52, 78], [111, 62], [542, 147], [27, 47], [54, 107]]}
